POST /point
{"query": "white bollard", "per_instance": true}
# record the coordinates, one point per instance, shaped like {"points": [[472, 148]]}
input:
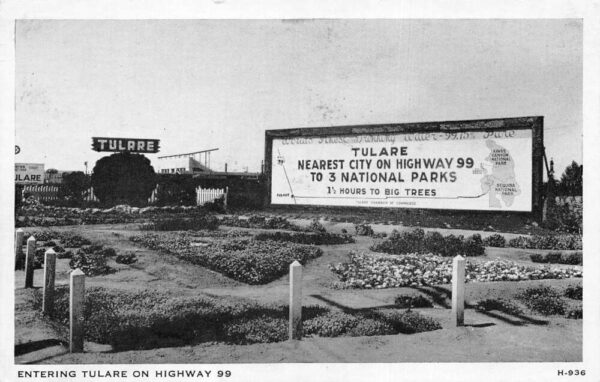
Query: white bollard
{"points": [[295, 325], [458, 290], [18, 243], [76, 306], [29, 262], [49, 275]]}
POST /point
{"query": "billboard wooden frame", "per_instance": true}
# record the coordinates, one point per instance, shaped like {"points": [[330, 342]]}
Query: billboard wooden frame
{"points": [[534, 123]]}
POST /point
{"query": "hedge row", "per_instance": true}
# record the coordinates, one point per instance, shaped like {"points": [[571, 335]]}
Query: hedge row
{"points": [[260, 222], [558, 242], [324, 238], [574, 258], [207, 222], [416, 241]]}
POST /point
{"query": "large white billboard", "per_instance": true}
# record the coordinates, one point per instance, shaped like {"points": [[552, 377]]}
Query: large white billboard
{"points": [[468, 170]]}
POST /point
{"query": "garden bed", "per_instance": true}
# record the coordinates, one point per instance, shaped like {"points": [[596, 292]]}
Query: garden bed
{"points": [[249, 261], [388, 271], [150, 319]]}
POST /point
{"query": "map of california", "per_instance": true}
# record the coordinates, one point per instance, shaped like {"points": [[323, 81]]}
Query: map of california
{"points": [[501, 184]]}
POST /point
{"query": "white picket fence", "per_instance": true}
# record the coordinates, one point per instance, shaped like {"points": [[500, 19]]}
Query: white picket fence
{"points": [[91, 197], [207, 195], [41, 192]]}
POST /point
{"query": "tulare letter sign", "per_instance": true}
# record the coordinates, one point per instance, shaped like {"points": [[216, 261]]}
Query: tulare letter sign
{"points": [[134, 145], [490, 165]]}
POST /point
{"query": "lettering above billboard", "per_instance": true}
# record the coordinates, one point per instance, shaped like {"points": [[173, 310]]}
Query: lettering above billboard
{"points": [[29, 173], [460, 170], [133, 145]]}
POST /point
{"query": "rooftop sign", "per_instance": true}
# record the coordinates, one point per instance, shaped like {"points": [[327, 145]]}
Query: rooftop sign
{"points": [[133, 145]]}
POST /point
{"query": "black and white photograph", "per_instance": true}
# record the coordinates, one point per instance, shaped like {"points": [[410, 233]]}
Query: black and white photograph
{"points": [[233, 197]]}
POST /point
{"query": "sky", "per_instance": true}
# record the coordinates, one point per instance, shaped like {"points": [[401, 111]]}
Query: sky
{"points": [[203, 84]]}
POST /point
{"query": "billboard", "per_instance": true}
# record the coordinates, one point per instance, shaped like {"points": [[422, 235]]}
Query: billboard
{"points": [[29, 173], [458, 166]]}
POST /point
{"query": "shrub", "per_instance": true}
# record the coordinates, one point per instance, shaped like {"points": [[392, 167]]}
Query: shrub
{"points": [[417, 242], [453, 245], [495, 240], [127, 258], [92, 264], [556, 242], [195, 223], [38, 258], [370, 327], [316, 226], [553, 257], [257, 329], [473, 246], [402, 242], [363, 230], [325, 238], [64, 255], [260, 222], [574, 292], [409, 302], [332, 324], [72, 241], [74, 185], [500, 305], [575, 313], [58, 248], [123, 178], [574, 258], [41, 235], [434, 242], [543, 299], [176, 189], [537, 258], [409, 322]]}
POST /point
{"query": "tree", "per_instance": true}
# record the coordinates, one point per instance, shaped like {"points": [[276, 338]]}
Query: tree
{"points": [[571, 181], [123, 178], [74, 185]]}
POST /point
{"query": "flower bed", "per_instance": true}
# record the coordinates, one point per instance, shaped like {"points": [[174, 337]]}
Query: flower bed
{"points": [[151, 319], [249, 261], [385, 271]]}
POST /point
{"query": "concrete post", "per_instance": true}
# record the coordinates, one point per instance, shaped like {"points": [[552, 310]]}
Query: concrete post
{"points": [[76, 304], [49, 273], [295, 326], [458, 290], [18, 244], [29, 262]]}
